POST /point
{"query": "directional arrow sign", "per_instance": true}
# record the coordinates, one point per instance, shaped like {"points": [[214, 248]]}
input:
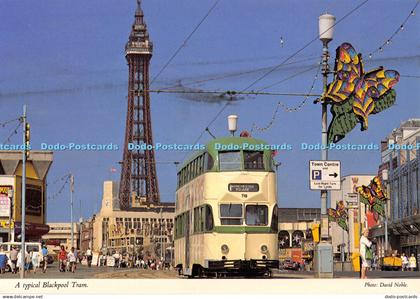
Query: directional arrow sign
{"points": [[325, 175]]}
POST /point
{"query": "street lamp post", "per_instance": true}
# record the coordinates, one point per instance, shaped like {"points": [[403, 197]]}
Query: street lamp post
{"points": [[386, 180], [23, 195], [71, 209], [10, 196], [326, 24], [324, 251]]}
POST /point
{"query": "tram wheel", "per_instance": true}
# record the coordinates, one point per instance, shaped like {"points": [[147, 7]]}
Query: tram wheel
{"points": [[268, 274]]}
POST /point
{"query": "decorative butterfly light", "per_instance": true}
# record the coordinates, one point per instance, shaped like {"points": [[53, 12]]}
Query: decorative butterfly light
{"points": [[364, 89], [373, 196], [339, 215]]}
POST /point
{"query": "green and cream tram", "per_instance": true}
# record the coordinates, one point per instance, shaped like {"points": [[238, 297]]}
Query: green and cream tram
{"points": [[226, 210]]}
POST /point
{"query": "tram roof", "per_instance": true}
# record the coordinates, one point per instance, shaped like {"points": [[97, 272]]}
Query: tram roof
{"points": [[210, 146]]}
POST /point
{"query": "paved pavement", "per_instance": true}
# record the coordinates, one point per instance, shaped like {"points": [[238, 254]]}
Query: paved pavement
{"points": [[347, 274], [83, 272]]}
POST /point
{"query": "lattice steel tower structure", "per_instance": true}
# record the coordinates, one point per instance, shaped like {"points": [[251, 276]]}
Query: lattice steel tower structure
{"points": [[138, 182]]}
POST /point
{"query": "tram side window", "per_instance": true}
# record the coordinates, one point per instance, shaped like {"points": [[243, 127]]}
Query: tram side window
{"points": [[201, 164], [209, 218], [256, 215], [210, 161], [179, 226], [231, 214], [254, 160], [203, 219], [197, 217], [275, 219], [230, 160]]}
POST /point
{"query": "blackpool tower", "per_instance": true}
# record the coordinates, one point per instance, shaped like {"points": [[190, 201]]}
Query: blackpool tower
{"points": [[138, 184]]}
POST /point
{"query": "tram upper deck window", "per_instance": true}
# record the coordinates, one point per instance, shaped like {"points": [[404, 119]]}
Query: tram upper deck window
{"points": [[230, 160], [231, 214], [254, 160], [256, 215]]}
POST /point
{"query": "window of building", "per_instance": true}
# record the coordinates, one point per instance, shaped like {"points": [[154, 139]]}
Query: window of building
{"points": [[414, 189]]}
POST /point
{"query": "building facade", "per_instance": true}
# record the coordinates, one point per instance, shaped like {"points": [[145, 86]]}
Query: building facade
{"points": [[295, 232], [37, 167], [346, 241], [60, 234], [399, 169], [145, 229], [86, 234]]}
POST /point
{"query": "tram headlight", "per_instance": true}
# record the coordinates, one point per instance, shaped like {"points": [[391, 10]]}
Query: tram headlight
{"points": [[224, 248], [264, 248]]}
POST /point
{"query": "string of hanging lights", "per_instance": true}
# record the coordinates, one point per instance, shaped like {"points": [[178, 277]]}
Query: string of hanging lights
{"points": [[286, 108], [388, 41]]}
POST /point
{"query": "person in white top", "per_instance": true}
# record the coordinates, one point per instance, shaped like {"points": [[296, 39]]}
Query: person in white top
{"points": [[35, 257], [72, 259], [89, 257], [364, 244]]}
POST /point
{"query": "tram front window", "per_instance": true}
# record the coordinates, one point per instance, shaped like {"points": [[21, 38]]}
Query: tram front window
{"points": [[256, 215], [230, 160], [253, 160], [231, 214]]}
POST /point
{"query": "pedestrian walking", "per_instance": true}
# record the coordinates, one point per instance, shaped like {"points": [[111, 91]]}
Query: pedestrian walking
{"points": [[44, 253], [76, 255], [366, 253], [72, 260], [3, 261], [28, 261], [116, 257], [14, 259], [404, 262], [35, 259], [62, 259], [89, 257], [412, 262]]}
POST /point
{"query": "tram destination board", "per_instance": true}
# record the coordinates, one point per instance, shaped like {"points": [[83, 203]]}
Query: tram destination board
{"points": [[243, 187]]}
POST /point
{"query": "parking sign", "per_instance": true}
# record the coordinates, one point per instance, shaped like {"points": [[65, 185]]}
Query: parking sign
{"points": [[325, 175]]}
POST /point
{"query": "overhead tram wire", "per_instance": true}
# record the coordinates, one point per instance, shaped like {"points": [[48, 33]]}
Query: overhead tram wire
{"points": [[236, 74], [55, 195], [305, 46], [379, 49], [184, 42], [286, 108], [411, 76], [275, 68], [232, 92], [5, 123], [14, 132], [291, 77]]}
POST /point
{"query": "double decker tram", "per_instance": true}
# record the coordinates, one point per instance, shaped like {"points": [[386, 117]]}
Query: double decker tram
{"points": [[226, 210]]}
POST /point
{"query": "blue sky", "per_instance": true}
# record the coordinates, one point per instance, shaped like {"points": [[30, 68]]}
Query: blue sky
{"points": [[65, 60]]}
